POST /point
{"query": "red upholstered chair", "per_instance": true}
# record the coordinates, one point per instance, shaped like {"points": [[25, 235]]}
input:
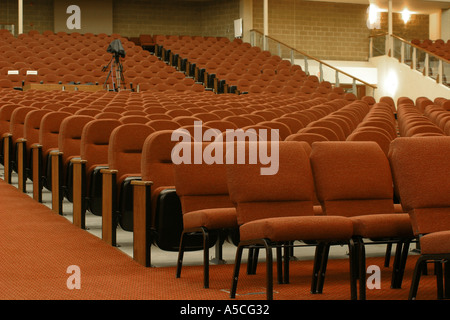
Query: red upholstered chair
{"points": [[308, 137], [163, 124], [221, 125], [69, 143], [274, 210], [157, 209], [206, 206], [5, 119], [323, 131], [30, 136], [86, 169], [124, 165], [353, 179], [48, 141], [11, 142], [378, 136], [421, 173]]}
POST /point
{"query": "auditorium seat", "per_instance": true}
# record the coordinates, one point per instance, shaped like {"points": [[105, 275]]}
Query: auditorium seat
{"points": [[420, 174], [69, 144], [205, 203], [157, 208], [87, 179], [124, 165], [274, 210], [13, 156], [362, 191], [48, 141]]}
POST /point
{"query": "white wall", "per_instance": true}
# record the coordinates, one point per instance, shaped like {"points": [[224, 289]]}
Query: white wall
{"points": [[398, 80]]}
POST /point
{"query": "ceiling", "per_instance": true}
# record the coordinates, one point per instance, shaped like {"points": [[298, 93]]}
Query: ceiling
{"points": [[416, 6]]}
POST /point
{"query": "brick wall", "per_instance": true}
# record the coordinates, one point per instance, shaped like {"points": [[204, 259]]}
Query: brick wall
{"points": [[131, 18], [36, 16], [416, 28], [332, 31], [218, 18], [201, 18]]}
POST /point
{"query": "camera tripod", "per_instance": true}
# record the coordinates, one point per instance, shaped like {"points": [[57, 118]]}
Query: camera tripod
{"points": [[116, 69]]}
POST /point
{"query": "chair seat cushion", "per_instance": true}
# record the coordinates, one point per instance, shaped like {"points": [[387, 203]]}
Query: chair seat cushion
{"points": [[298, 228], [383, 225], [435, 243], [211, 218]]}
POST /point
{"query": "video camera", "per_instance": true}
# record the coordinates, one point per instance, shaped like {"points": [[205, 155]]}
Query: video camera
{"points": [[116, 48]]}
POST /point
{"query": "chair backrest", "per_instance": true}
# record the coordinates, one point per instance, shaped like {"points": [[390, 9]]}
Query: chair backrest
{"points": [[32, 125], [326, 132], [49, 130], [5, 117], [156, 161], [125, 149], [378, 136], [163, 124], [95, 141], [336, 128], [421, 174], [17, 124], [308, 137], [201, 185], [352, 178], [69, 139], [289, 192]]}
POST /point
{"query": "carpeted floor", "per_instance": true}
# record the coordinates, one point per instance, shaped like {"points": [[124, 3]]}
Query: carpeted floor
{"points": [[38, 246]]}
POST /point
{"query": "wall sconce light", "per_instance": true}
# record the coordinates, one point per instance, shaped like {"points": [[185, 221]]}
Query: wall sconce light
{"points": [[406, 15], [373, 17]]}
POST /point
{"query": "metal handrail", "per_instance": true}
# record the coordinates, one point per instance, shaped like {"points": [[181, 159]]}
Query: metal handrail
{"points": [[318, 60], [415, 50], [420, 48]]}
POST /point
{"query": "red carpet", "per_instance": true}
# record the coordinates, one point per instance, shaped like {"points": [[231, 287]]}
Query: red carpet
{"points": [[37, 247]]}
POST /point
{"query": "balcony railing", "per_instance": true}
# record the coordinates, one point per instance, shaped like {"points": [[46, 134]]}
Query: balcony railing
{"points": [[311, 65], [417, 58]]}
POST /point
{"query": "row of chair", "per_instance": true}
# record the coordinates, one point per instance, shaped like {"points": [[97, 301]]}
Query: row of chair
{"points": [[123, 174], [357, 201], [414, 119], [216, 62], [274, 217], [81, 59], [438, 47], [21, 118]]}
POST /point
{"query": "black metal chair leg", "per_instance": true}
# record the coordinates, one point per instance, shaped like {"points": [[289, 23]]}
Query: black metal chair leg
{"points": [[362, 269], [279, 264], [439, 279], [287, 258], [396, 264], [387, 257], [353, 264], [269, 272], [446, 280], [323, 268], [402, 266], [316, 267], [237, 266], [180, 256], [205, 258], [252, 260], [418, 269]]}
